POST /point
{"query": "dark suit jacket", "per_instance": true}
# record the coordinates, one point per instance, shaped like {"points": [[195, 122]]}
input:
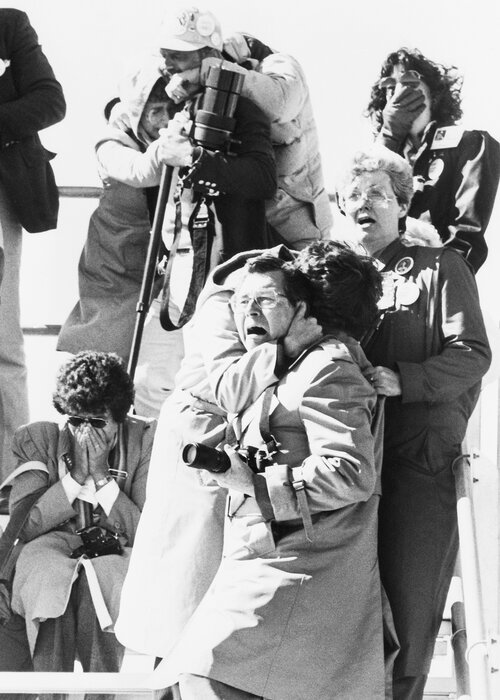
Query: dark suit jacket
{"points": [[30, 99]]}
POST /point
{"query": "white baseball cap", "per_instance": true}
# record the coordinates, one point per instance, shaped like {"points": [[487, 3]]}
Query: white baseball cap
{"points": [[189, 30]]}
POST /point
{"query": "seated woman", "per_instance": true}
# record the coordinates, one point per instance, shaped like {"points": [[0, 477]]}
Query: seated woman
{"points": [[295, 608], [88, 472]]}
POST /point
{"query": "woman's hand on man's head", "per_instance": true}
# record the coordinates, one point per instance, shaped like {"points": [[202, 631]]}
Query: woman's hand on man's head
{"points": [[303, 332]]}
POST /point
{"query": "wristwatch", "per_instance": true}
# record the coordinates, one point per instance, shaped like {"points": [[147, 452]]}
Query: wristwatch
{"points": [[102, 482]]}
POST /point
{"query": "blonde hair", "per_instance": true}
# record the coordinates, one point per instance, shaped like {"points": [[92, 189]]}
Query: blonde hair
{"points": [[378, 157]]}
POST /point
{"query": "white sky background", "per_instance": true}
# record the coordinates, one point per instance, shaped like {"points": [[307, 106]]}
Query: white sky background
{"points": [[340, 45]]}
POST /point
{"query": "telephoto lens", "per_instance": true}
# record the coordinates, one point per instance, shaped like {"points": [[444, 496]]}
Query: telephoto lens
{"points": [[201, 456], [214, 122]]}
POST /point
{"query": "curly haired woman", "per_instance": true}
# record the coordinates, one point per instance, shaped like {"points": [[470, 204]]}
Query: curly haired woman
{"points": [[415, 105], [90, 470]]}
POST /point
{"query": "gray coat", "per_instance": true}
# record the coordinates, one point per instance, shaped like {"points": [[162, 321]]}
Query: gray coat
{"points": [[44, 570]]}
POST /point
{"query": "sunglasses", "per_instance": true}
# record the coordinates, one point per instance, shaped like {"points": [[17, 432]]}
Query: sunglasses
{"points": [[76, 421]]}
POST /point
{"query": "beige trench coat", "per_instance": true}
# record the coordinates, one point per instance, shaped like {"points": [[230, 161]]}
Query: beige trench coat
{"points": [[286, 618]]}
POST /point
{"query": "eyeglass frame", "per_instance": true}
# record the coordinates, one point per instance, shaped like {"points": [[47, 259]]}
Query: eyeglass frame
{"points": [[234, 302], [368, 198], [77, 421]]}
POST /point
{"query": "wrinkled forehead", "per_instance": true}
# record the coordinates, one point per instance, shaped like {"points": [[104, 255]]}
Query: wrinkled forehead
{"points": [[254, 282], [369, 179]]}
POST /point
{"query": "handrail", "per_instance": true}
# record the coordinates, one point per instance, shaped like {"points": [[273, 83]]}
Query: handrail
{"points": [[80, 192], [88, 192], [459, 646], [33, 682], [477, 651]]}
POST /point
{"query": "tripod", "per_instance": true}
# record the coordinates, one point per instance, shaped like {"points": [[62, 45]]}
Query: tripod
{"points": [[150, 267]]}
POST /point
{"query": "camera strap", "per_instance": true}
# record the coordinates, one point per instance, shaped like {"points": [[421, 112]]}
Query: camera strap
{"points": [[271, 447], [202, 231]]}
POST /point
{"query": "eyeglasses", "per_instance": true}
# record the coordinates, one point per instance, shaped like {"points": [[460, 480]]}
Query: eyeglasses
{"points": [[265, 300], [374, 198], [76, 421], [409, 77]]}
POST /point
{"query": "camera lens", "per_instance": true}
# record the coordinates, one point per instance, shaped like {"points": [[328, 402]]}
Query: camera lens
{"points": [[189, 453], [201, 456]]}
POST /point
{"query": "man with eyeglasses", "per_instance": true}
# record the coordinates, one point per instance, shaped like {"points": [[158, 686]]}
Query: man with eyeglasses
{"points": [[300, 532], [429, 353], [176, 500], [415, 106]]}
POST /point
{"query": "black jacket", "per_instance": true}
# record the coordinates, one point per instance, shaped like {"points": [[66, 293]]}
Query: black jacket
{"points": [[457, 185], [30, 99]]}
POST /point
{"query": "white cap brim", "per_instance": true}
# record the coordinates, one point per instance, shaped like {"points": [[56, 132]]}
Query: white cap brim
{"points": [[175, 44]]}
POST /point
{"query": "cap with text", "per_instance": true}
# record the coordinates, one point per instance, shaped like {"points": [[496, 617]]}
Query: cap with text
{"points": [[189, 30]]}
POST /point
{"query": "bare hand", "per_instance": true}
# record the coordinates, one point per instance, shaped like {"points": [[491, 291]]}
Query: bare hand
{"points": [[175, 148], [385, 381], [212, 61], [239, 477], [98, 452], [80, 469], [182, 86], [302, 332]]}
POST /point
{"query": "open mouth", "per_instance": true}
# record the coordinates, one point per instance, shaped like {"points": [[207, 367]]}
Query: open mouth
{"points": [[255, 330], [365, 220]]}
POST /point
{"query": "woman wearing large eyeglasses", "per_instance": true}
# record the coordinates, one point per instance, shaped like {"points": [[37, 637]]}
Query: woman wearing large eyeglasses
{"points": [[429, 352], [89, 471]]}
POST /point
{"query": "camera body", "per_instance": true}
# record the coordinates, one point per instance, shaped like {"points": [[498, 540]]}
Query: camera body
{"points": [[97, 541], [199, 456]]}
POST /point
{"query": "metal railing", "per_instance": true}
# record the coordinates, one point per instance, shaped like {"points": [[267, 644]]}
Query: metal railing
{"points": [[476, 653]]}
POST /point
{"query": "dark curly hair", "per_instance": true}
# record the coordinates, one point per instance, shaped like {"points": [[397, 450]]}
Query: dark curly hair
{"points": [[346, 285], [443, 82], [93, 382]]}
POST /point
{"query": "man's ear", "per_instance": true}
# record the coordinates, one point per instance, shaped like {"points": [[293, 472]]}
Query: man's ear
{"points": [[302, 310]]}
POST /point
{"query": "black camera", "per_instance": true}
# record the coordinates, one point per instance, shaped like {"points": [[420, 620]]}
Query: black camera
{"points": [[214, 122], [199, 456], [97, 541]]}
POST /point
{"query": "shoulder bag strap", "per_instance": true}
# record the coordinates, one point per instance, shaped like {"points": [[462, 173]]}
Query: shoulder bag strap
{"points": [[202, 231]]}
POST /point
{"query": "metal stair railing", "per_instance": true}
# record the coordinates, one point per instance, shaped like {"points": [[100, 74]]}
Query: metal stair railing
{"points": [[136, 686], [474, 647]]}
